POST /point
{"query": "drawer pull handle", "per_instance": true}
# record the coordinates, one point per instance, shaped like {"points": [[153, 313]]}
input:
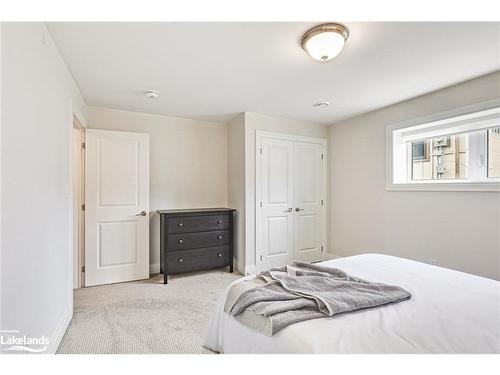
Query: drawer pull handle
{"points": [[219, 221], [180, 224], [219, 237], [219, 255], [181, 241], [181, 260]]}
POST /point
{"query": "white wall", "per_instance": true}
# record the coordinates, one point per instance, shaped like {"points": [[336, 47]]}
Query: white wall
{"points": [[188, 162], [38, 100], [459, 230], [236, 185], [254, 122], [1, 73]]}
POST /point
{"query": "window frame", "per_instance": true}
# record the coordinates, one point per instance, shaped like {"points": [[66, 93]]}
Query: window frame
{"points": [[488, 154], [492, 184]]}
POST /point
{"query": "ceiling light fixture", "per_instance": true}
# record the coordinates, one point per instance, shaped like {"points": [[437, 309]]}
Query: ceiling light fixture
{"points": [[321, 105], [324, 42], [151, 94]]}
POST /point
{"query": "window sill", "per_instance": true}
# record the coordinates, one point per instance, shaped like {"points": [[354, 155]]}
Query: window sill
{"points": [[450, 186]]}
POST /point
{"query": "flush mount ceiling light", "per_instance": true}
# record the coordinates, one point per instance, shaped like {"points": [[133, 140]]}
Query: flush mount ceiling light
{"points": [[324, 42], [151, 94], [321, 105]]}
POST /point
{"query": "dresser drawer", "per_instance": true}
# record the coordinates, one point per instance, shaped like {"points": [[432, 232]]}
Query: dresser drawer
{"points": [[197, 223], [197, 259], [201, 239]]}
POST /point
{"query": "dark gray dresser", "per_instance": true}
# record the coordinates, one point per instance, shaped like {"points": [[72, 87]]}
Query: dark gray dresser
{"points": [[197, 239]]}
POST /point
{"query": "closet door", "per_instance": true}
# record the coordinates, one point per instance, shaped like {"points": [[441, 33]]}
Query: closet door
{"points": [[307, 188], [275, 224]]}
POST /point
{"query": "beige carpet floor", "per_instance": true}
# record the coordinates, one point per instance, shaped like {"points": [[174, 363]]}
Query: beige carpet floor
{"points": [[145, 316]]}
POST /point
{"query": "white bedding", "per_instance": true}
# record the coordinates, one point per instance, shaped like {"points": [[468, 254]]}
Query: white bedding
{"points": [[449, 312]]}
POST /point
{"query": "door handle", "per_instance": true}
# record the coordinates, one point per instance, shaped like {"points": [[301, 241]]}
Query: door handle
{"points": [[142, 213], [289, 210], [299, 209]]}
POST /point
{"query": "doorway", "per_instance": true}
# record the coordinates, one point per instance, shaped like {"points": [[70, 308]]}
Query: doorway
{"points": [[291, 199], [78, 178]]}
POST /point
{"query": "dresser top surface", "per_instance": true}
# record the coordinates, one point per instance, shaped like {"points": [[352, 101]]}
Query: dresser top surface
{"points": [[196, 211]]}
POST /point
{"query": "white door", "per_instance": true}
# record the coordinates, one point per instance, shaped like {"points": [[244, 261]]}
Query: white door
{"points": [[307, 188], [290, 193], [116, 207], [276, 221]]}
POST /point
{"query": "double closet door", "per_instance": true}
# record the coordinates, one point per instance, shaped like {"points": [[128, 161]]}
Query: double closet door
{"points": [[290, 192]]}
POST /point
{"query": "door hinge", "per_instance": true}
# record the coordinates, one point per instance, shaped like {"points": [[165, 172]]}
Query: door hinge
{"points": [[322, 203], [83, 207], [260, 204], [322, 156], [321, 248], [261, 150], [261, 258], [83, 145], [83, 269]]}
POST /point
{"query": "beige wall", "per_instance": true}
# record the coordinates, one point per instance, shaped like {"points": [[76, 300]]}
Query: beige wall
{"points": [[459, 230], [254, 122], [1, 104], [236, 185], [39, 98], [188, 162]]}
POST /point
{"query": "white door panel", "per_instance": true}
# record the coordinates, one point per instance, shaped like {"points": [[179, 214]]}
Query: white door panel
{"points": [[119, 172], [276, 221], [116, 193], [307, 201]]}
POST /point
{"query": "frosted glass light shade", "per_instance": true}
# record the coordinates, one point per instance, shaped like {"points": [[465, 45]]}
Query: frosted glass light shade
{"points": [[325, 42]]}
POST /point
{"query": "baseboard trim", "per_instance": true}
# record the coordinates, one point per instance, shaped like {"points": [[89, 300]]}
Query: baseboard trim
{"points": [[238, 266], [329, 256], [241, 268], [250, 270], [154, 268], [56, 337]]}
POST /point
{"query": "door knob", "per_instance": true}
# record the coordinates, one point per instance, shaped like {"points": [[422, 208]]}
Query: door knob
{"points": [[181, 241], [299, 209], [289, 210], [142, 213]]}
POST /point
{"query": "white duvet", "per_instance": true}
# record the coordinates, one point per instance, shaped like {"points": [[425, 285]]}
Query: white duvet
{"points": [[449, 312]]}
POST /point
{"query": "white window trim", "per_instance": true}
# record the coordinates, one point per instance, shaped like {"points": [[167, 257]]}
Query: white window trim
{"points": [[451, 185]]}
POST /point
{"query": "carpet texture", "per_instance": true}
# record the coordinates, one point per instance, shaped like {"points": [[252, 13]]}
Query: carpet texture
{"points": [[145, 316]]}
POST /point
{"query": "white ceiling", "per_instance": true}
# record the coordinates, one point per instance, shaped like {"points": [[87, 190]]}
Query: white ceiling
{"points": [[212, 71]]}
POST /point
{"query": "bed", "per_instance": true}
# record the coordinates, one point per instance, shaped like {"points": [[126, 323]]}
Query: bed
{"points": [[449, 312]]}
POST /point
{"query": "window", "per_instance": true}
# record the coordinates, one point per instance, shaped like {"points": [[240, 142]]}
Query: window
{"points": [[457, 150], [494, 153], [420, 150], [440, 158]]}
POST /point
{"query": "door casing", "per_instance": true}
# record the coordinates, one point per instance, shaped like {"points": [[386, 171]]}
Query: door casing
{"points": [[78, 181]]}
